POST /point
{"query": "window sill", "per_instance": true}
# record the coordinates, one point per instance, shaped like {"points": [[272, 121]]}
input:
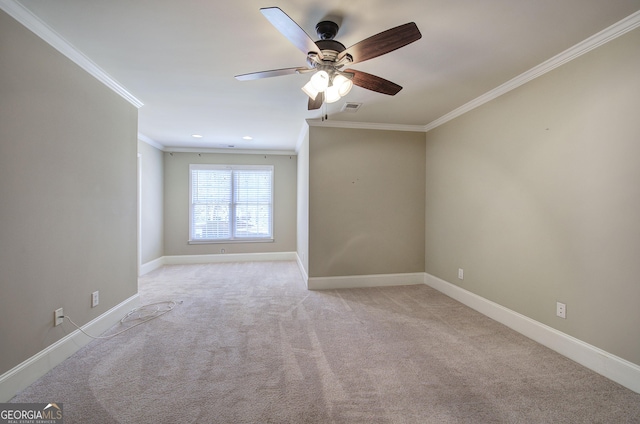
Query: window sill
{"points": [[261, 240]]}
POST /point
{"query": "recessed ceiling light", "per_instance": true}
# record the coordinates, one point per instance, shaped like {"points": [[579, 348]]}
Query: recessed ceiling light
{"points": [[247, 137], [196, 135]]}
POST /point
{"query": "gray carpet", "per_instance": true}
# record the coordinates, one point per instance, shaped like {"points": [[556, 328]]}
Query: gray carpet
{"points": [[249, 344]]}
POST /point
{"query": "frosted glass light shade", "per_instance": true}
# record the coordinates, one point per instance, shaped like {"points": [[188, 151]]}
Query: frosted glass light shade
{"points": [[310, 90], [344, 85], [320, 81], [332, 95]]}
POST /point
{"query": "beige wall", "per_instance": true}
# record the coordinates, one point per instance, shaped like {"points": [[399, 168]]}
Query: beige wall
{"points": [[151, 202], [67, 194], [366, 202], [176, 203], [537, 196]]}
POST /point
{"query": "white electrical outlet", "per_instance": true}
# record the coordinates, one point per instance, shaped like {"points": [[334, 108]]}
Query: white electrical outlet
{"points": [[95, 299], [58, 317], [561, 310], [460, 274]]}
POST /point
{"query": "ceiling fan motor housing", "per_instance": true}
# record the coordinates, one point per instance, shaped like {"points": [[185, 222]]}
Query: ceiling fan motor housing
{"points": [[330, 50], [331, 46]]}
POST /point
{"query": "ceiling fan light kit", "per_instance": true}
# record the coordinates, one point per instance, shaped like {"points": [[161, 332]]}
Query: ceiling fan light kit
{"points": [[326, 58], [334, 86]]}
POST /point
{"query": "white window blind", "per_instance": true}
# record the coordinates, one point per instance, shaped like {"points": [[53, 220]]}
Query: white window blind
{"points": [[230, 202]]}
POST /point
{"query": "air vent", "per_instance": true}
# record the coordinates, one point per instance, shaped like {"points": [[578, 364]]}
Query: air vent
{"points": [[351, 107]]}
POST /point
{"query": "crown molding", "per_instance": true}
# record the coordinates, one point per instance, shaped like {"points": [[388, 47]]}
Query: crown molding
{"points": [[614, 31], [23, 15], [169, 149], [621, 27], [229, 151], [364, 125], [38, 27], [151, 142]]}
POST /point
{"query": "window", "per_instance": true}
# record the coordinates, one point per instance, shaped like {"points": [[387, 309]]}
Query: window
{"points": [[230, 203]]}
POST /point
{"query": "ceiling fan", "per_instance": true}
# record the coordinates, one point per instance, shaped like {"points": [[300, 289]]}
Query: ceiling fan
{"points": [[326, 58]]}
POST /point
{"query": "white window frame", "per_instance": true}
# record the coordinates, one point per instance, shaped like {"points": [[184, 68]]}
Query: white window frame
{"points": [[233, 236]]}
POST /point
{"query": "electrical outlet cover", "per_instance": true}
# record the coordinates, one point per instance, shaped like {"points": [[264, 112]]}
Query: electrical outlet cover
{"points": [[58, 317]]}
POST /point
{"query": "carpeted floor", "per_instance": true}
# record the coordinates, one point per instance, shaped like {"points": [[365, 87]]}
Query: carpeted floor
{"points": [[249, 344]]}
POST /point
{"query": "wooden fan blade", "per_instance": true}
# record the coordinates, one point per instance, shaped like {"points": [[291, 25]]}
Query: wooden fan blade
{"points": [[373, 83], [382, 43], [315, 104], [269, 74], [290, 29]]}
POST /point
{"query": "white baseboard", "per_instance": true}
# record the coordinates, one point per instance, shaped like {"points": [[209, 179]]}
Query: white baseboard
{"points": [[229, 257], [22, 375], [151, 265], [356, 281], [614, 368], [303, 271], [216, 258]]}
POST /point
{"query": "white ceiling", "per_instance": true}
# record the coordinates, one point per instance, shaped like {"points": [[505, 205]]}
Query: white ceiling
{"points": [[179, 58]]}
